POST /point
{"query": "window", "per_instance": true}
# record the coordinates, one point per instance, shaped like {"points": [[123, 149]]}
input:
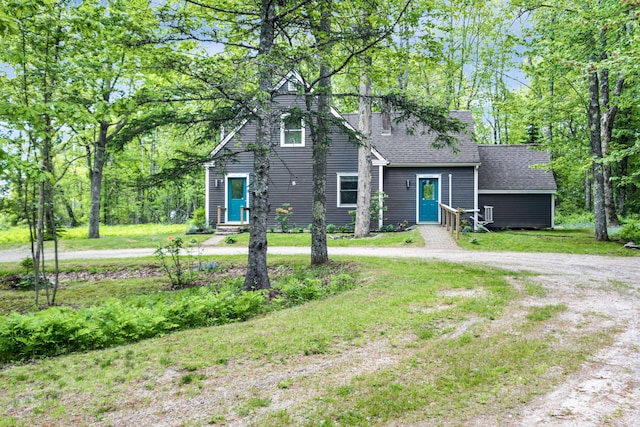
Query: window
{"points": [[291, 132], [347, 190]]}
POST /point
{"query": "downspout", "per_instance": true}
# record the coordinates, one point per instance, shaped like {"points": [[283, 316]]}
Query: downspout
{"points": [[475, 197], [206, 194], [450, 192], [553, 211], [380, 198]]}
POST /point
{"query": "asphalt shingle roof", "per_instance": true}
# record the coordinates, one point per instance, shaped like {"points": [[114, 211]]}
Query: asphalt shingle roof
{"points": [[510, 167], [401, 148]]}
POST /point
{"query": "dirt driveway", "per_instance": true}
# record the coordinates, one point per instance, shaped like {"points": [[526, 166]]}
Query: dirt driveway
{"points": [[605, 390]]}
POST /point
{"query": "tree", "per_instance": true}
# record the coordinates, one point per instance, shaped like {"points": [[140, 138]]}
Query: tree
{"points": [[34, 109], [582, 44]]}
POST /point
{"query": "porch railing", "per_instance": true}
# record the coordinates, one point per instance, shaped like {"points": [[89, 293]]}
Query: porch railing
{"points": [[450, 219], [222, 210]]}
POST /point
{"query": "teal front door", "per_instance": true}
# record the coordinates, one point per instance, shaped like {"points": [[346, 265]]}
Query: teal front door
{"points": [[428, 200], [236, 198]]}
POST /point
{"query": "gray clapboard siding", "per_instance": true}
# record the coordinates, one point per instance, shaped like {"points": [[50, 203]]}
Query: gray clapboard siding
{"points": [[519, 210], [401, 203]]}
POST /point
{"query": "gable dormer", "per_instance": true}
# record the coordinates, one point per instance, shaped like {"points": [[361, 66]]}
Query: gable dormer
{"points": [[290, 84]]}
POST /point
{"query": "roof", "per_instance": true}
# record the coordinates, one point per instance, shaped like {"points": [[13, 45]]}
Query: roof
{"points": [[402, 149], [511, 168]]}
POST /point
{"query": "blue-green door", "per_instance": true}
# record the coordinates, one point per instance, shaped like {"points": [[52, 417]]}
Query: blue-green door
{"points": [[428, 200], [236, 197]]}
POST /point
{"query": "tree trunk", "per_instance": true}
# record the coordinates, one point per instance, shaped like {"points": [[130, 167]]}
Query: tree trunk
{"points": [[548, 133], [588, 191], [599, 214], [622, 189], [363, 209], [97, 167], [257, 276], [608, 118], [321, 142]]}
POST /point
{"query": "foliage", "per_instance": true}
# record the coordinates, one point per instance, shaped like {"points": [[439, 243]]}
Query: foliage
{"points": [[298, 291], [571, 241], [181, 272], [230, 240], [60, 330], [630, 232], [331, 228], [199, 220], [282, 216]]}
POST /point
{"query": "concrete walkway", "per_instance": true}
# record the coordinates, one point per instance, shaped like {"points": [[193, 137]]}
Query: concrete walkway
{"points": [[437, 237]]}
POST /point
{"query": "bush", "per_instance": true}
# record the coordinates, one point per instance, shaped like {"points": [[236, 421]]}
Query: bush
{"points": [[298, 291], [199, 220], [331, 228], [59, 330], [630, 232]]}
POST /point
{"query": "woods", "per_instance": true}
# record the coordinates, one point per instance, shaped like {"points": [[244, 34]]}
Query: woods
{"points": [[109, 109]]}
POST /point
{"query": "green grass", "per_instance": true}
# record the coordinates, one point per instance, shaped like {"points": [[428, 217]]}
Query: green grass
{"points": [[396, 239], [578, 241], [111, 237], [324, 353]]}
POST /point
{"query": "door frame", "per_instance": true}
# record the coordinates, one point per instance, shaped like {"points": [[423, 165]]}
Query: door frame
{"points": [[226, 196], [437, 177]]}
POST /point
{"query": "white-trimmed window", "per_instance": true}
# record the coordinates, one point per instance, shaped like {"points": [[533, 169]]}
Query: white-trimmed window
{"points": [[347, 189], [291, 131]]}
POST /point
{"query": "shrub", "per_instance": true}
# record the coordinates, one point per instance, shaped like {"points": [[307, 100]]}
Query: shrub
{"points": [[171, 261], [60, 330], [230, 240], [282, 216], [300, 290], [199, 220], [630, 232], [331, 228]]}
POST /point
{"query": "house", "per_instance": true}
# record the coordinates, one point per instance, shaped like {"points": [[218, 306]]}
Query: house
{"points": [[521, 193], [414, 175]]}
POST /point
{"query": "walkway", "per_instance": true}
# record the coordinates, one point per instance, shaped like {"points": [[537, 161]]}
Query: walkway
{"points": [[437, 237]]}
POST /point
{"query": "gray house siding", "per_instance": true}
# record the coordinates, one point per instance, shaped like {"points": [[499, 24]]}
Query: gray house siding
{"points": [[291, 165], [519, 210], [401, 202]]}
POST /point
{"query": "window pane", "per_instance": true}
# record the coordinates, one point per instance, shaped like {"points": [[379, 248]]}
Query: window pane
{"points": [[348, 197], [237, 189], [292, 137], [348, 190], [292, 129], [428, 191]]}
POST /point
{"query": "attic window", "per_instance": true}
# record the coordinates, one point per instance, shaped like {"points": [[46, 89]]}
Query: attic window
{"points": [[291, 131]]}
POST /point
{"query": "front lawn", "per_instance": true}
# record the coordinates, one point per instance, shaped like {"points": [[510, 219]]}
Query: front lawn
{"points": [[573, 241], [111, 237], [416, 343], [411, 238]]}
